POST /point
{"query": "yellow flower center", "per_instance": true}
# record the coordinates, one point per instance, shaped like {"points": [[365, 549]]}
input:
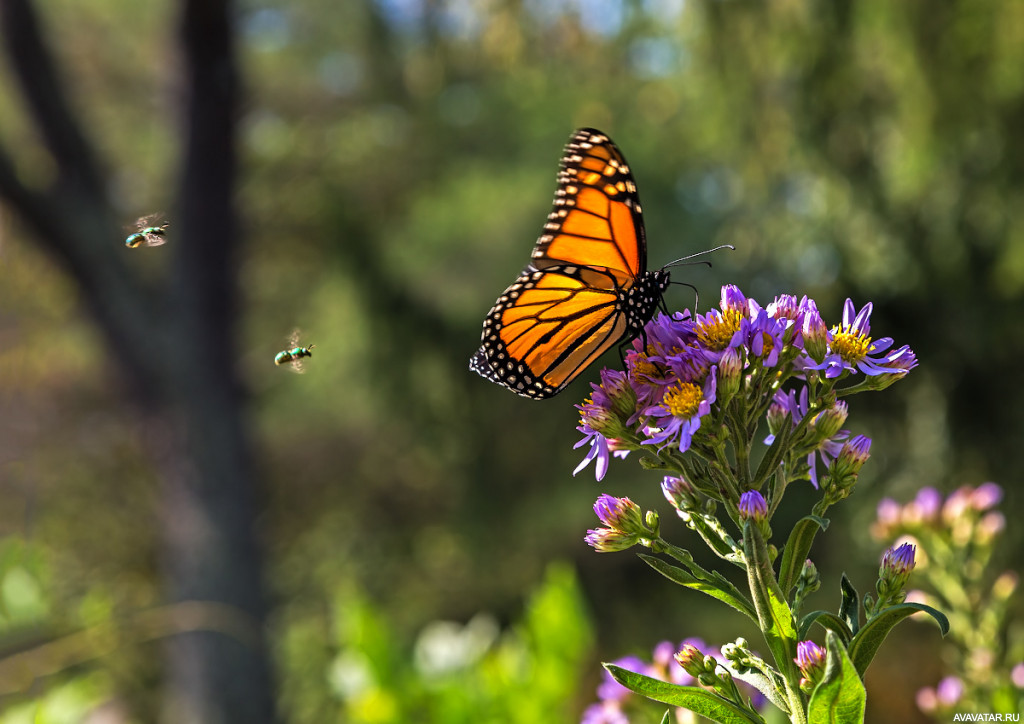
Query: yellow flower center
{"points": [[717, 332], [642, 366], [683, 399], [850, 346]]}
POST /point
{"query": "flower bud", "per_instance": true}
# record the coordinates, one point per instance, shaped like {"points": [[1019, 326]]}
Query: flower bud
{"points": [[810, 658], [607, 540], [897, 364], [621, 514], [691, 659], [827, 423], [734, 299], [620, 394], [730, 370], [815, 334], [810, 579], [753, 506], [893, 573], [854, 453], [679, 492]]}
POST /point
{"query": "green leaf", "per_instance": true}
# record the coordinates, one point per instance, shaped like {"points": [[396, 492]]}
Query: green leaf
{"points": [[839, 697], [848, 609], [773, 614], [827, 620], [720, 588], [866, 643], [667, 719], [771, 686], [797, 548], [703, 702]]}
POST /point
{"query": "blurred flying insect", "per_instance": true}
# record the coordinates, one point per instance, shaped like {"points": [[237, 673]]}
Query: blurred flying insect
{"points": [[293, 356], [151, 232]]}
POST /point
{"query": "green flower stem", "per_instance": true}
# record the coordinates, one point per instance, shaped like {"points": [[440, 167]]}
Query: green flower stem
{"points": [[775, 617], [740, 447]]}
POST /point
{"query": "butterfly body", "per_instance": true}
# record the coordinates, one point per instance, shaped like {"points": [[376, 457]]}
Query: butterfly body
{"points": [[586, 288]]}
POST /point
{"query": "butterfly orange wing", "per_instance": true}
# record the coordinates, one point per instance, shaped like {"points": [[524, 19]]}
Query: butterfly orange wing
{"points": [[567, 307]]}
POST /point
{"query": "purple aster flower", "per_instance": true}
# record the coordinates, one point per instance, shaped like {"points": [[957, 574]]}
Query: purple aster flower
{"points": [[796, 406], [810, 658], [762, 334], [599, 451], [785, 306], [604, 712], [851, 347], [926, 507], [985, 496], [785, 403], [666, 335], [949, 691], [888, 512], [677, 418], [753, 506], [991, 524], [733, 299], [717, 330], [957, 504], [790, 312], [611, 690]]}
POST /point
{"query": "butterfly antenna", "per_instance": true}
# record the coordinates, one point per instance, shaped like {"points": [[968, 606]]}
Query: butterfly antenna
{"points": [[684, 261], [696, 294]]}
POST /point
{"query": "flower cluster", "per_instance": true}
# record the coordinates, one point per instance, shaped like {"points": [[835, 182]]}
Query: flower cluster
{"points": [[959, 532], [694, 392], [689, 382]]}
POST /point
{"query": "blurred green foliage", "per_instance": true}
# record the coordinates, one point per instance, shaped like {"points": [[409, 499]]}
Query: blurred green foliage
{"points": [[398, 162]]}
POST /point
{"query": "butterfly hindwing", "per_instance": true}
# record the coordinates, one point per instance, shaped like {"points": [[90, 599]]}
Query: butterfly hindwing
{"points": [[546, 328]]}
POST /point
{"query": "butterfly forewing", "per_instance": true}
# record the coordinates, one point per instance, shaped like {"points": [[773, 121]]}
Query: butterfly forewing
{"points": [[574, 300], [596, 220]]}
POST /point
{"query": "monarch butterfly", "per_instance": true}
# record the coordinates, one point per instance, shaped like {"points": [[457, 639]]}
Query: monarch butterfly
{"points": [[586, 287]]}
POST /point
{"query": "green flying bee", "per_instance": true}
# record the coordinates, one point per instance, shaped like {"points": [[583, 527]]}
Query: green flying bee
{"points": [[293, 356], [150, 232]]}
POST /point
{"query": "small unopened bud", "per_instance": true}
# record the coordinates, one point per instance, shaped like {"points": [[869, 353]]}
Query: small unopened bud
{"points": [[827, 423], [730, 369], [893, 573], [809, 579], [620, 513], [691, 659], [679, 492], [815, 334], [810, 659], [753, 506]]}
